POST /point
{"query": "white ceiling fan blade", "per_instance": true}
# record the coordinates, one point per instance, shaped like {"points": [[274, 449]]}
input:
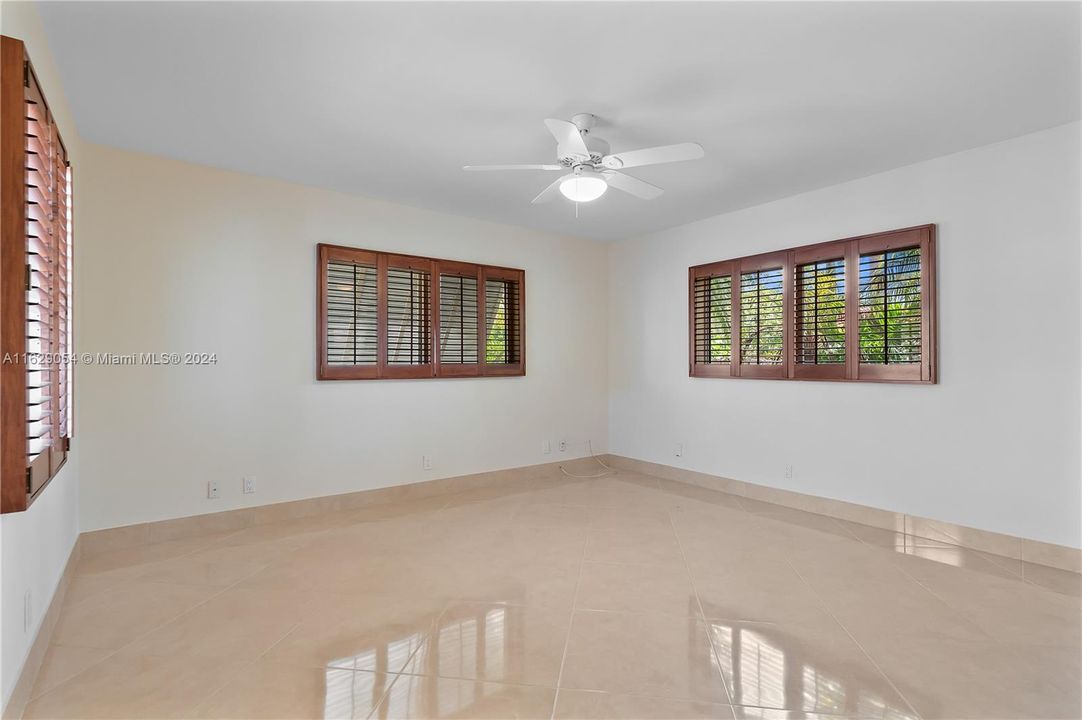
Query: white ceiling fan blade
{"points": [[569, 142], [632, 186], [550, 192], [512, 167], [653, 156]]}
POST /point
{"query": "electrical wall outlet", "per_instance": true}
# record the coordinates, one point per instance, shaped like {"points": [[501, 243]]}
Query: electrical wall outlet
{"points": [[679, 450], [426, 462], [563, 446], [788, 472], [248, 485], [212, 490], [546, 447]]}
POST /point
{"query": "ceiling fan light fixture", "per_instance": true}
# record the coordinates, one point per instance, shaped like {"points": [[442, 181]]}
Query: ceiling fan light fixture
{"points": [[583, 187]]}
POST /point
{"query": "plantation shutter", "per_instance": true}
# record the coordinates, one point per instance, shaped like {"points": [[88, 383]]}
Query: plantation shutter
{"points": [[459, 320], [859, 309], [711, 316], [409, 318], [503, 321], [895, 289], [350, 313], [761, 316], [36, 261], [820, 316], [382, 315]]}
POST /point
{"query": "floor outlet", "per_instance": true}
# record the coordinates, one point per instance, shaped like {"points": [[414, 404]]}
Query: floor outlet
{"points": [[212, 490], [249, 485]]}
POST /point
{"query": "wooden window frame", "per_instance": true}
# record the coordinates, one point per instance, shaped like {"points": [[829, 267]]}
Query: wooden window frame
{"points": [[22, 481], [383, 370], [850, 250]]}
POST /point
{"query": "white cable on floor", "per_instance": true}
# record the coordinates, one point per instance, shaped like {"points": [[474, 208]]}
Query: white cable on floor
{"points": [[608, 470]]}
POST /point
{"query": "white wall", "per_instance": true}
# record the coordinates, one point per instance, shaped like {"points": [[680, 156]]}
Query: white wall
{"points": [[35, 545], [995, 445], [189, 258]]}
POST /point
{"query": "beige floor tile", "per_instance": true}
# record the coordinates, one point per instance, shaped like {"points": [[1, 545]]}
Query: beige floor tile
{"points": [[624, 587], [415, 696], [495, 643], [374, 633], [760, 591], [240, 623], [792, 668], [134, 686], [471, 599], [536, 582], [115, 617], [892, 604], [592, 705], [635, 518], [219, 566], [276, 691], [656, 655], [944, 678], [552, 515], [1007, 610], [644, 546], [63, 663]]}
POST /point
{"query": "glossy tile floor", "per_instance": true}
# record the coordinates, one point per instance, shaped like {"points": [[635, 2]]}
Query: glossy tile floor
{"points": [[618, 597]]}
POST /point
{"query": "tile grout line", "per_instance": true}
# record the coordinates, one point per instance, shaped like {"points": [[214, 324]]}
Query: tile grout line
{"points": [[826, 608], [396, 676], [570, 624], [139, 637], [702, 613]]}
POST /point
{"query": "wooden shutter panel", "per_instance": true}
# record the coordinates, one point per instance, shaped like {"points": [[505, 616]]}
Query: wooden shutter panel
{"points": [[894, 300], [458, 322], [760, 299], [503, 324], [348, 314], [711, 320], [820, 325], [408, 310], [35, 275]]}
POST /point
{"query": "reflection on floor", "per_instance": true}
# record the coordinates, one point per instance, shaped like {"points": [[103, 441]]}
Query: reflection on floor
{"points": [[619, 597]]}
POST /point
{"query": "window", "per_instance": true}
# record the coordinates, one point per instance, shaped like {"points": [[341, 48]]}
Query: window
{"points": [[383, 316], [856, 309], [35, 286]]}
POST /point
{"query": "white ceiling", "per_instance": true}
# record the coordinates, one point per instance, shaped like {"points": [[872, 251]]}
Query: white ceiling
{"points": [[389, 100]]}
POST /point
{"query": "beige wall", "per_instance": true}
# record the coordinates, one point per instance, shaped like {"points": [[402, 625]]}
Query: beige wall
{"points": [[186, 258], [34, 545]]}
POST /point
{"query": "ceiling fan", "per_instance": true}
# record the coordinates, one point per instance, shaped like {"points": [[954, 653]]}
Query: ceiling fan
{"points": [[592, 169]]}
